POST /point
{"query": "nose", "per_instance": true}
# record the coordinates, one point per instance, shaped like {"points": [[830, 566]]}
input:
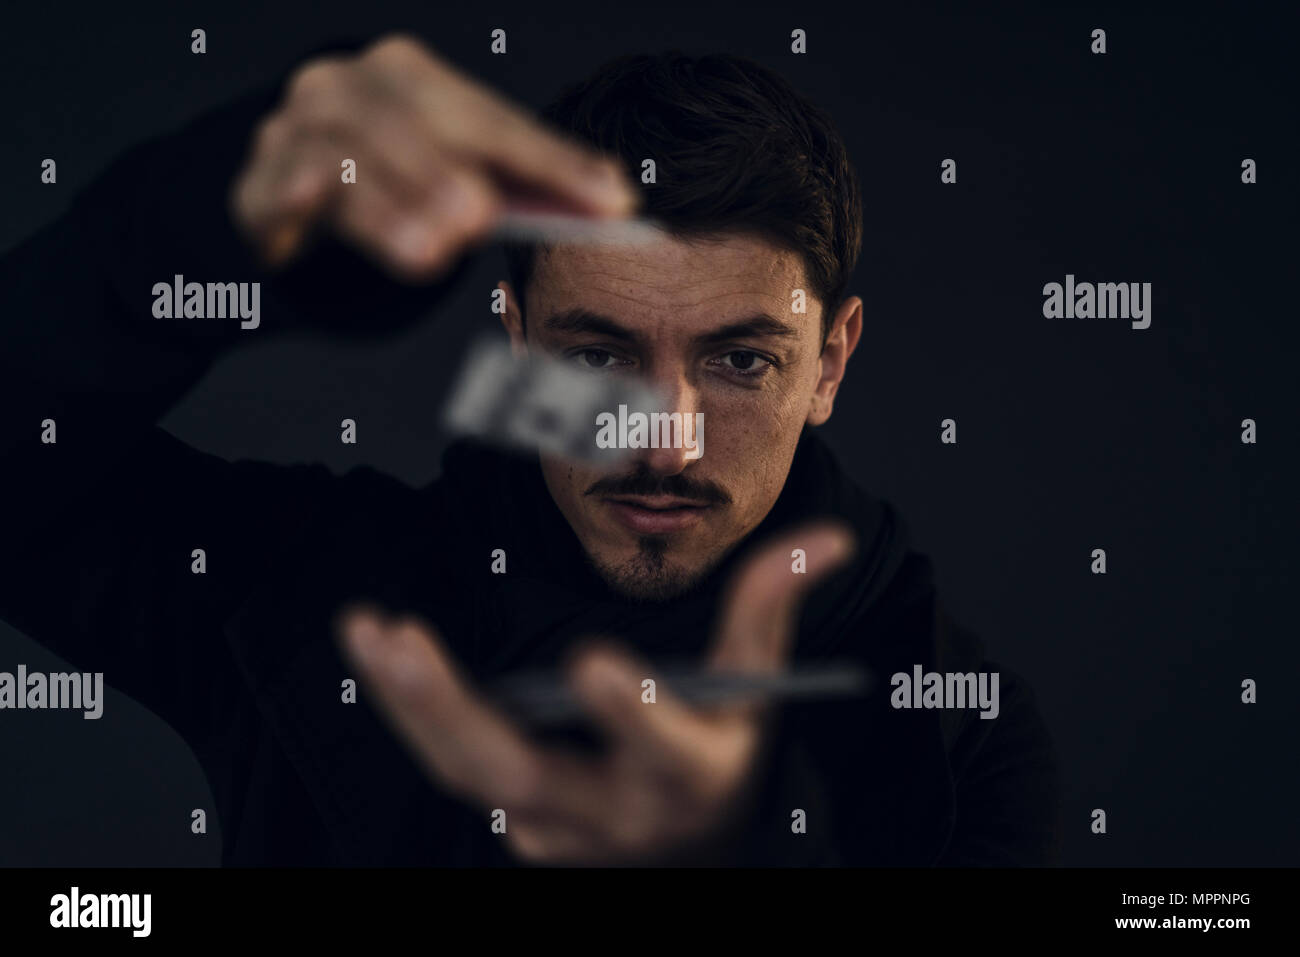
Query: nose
{"points": [[676, 430]]}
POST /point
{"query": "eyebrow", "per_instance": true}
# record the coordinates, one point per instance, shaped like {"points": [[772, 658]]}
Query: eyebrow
{"points": [[580, 321]]}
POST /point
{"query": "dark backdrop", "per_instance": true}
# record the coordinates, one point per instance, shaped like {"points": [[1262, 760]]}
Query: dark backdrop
{"points": [[1073, 435]]}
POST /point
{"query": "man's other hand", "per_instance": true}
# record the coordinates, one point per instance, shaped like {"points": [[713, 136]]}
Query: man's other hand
{"points": [[672, 774]]}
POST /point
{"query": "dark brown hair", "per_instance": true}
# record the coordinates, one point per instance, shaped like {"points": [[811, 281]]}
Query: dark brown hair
{"points": [[736, 149]]}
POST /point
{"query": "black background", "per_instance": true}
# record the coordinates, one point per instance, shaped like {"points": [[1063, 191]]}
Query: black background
{"points": [[1073, 434]]}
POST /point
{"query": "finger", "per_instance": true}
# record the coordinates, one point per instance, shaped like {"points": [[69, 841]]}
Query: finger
{"points": [[702, 750], [413, 233], [610, 682], [459, 741], [469, 748], [286, 182], [473, 122], [762, 600], [362, 111], [552, 842], [580, 808], [633, 815], [418, 241], [623, 822]]}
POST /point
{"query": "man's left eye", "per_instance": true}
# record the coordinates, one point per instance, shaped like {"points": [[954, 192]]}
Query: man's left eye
{"points": [[744, 362], [594, 359]]}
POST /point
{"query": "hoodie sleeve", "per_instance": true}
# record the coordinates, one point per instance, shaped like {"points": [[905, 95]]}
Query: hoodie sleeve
{"points": [[103, 509], [1006, 781], [1004, 771]]}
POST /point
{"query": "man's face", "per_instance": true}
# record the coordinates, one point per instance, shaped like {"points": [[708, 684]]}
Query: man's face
{"points": [[710, 323]]}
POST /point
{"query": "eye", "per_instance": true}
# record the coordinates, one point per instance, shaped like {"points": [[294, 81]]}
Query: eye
{"points": [[594, 359], [743, 362]]}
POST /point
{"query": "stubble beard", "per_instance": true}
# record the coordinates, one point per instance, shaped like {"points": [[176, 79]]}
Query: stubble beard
{"points": [[650, 575]]}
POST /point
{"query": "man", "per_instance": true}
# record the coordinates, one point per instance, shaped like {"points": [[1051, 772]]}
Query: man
{"points": [[757, 555]]}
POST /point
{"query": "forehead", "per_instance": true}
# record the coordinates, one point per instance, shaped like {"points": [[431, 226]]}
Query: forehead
{"points": [[673, 282]]}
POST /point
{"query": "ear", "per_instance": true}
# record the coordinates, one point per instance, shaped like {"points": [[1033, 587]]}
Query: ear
{"points": [[513, 319], [846, 328]]}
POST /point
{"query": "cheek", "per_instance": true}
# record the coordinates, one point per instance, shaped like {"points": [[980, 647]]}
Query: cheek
{"points": [[758, 422], [564, 480], [751, 445]]}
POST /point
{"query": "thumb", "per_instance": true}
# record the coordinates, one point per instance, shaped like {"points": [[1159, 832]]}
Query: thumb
{"points": [[762, 600]]}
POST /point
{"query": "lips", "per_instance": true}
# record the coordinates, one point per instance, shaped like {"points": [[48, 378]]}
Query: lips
{"points": [[656, 514]]}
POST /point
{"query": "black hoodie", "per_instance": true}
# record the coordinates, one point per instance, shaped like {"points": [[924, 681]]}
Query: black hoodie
{"points": [[241, 662]]}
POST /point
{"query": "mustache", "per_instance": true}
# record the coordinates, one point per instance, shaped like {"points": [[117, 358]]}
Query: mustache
{"points": [[645, 482]]}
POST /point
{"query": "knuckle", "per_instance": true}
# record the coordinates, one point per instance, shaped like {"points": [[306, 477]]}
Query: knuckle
{"points": [[466, 207], [410, 272], [396, 47], [321, 75], [272, 133], [324, 113], [521, 131]]}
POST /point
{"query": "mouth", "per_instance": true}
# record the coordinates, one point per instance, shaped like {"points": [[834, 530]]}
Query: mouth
{"points": [[656, 514]]}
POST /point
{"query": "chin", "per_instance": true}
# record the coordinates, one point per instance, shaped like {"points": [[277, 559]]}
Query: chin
{"points": [[649, 572]]}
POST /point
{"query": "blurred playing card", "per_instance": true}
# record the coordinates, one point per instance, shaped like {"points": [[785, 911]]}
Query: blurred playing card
{"points": [[541, 403], [530, 226], [546, 697]]}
